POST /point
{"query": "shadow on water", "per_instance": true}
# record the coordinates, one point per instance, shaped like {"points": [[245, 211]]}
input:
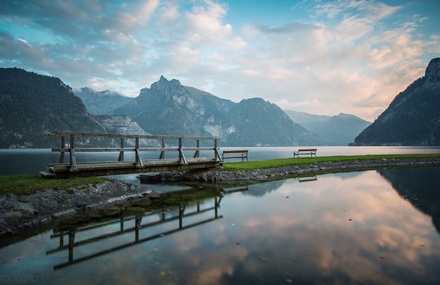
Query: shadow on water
{"points": [[420, 187]]}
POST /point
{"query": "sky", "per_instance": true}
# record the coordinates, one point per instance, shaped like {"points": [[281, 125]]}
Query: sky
{"points": [[320, 57]]}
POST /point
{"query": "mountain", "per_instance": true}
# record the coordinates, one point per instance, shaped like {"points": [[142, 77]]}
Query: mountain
{"points": [[335, 130], [413, 117], [126, 126], [169, 108], [101, 103], [32, 105]]}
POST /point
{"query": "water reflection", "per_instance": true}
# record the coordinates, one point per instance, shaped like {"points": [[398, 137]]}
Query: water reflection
{"points": [[133, 230], [420, 187], [349, 228]]}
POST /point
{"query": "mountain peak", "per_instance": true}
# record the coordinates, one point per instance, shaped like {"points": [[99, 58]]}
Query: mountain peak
{"points": [[164, 83], [433, 68]]}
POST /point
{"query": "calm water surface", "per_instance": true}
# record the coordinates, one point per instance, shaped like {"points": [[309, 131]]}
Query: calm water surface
{"points": [[371, 227], [28, 161]]}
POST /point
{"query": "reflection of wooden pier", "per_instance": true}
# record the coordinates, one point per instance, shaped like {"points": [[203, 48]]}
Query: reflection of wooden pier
{"points": [[187, 154], [235, 189], [112, 235], [308, 179]]}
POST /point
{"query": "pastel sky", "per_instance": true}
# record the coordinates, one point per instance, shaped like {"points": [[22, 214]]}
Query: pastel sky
{"points": [[321, 57]]}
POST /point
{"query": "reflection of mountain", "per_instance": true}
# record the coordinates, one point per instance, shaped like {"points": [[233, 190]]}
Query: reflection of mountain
{"points": [[420, 187], [262, 189]]}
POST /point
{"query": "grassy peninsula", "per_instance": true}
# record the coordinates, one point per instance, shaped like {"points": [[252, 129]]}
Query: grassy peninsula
{"points": [[23, 184], [32, 183], [272, 163]]}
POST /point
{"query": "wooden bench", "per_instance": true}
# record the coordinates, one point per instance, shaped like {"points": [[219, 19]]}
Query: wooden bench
{"points": [[305, 151], [237, 153]]}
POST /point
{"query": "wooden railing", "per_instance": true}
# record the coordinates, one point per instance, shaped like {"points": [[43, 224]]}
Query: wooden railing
{"points": [[68, 145]]}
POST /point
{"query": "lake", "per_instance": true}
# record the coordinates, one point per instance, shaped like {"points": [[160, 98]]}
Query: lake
{"points": [[368, 227], [28, 161]]}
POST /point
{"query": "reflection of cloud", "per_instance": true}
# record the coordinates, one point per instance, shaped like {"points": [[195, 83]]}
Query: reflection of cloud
{"points": [[341, 229], [358, 228]]}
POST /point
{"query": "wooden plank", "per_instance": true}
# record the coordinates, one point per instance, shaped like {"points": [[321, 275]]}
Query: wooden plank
{"points": [[127, 164], [235, 151], [118, 149], [153, 137]]}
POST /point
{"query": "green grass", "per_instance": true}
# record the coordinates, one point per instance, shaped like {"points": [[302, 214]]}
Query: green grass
{"points": [[304, 160], [32, 183]]}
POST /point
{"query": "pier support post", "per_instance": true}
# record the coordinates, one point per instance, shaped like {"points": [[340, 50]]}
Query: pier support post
{"points": [[182, 159], [139, 161], [197, 153], [216, 153]]}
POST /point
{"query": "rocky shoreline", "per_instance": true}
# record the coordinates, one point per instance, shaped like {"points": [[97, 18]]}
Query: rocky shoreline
{"points": [[22, 213], [222, 176]]}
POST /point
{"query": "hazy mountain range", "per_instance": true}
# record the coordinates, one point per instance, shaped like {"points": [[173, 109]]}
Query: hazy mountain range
{"points": [[168, 107], [33, 105], [335, 130], [103, 102]]}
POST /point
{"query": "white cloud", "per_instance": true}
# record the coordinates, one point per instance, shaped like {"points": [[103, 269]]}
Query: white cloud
{"points": [[350, 56]]}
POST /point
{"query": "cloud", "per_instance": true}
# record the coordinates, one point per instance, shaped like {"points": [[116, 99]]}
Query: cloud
{"points": [[288, 28], [331, 57]]}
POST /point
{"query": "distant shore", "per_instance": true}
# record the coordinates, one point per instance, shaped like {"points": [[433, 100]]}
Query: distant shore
{"points": [[23, 213]]}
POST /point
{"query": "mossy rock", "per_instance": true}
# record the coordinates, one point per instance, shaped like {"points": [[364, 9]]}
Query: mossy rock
{"points": [[143, 202], [112, 211], [135, 211]]}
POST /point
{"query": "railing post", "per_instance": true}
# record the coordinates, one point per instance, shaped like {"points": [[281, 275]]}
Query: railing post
{"points": [[162, 152], [73, 166], [182, 159], [197, 153], [63, 145], [121, 153], [139, 161]]}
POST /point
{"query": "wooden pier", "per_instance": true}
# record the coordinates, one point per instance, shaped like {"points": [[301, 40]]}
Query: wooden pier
{"points": [[186, 154]]}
